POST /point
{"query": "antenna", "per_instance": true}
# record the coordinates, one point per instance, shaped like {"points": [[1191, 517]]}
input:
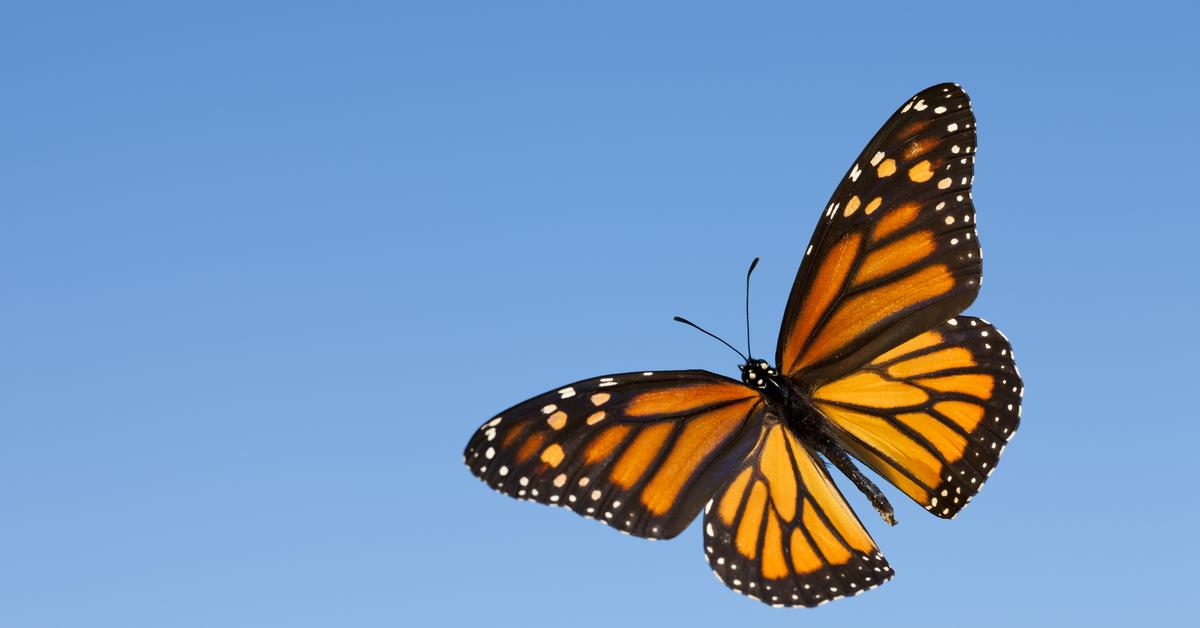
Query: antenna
{"points": [[685, 321], [752, 265]]}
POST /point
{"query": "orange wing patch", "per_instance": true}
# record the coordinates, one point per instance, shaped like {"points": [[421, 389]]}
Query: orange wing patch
{"points": [[857, 314], [639, 454], [640, 451], [895, 220], [702, 434], [898, 255], [782, 532], [830, 276], [923, 171], [684, 399], [931, 415]]}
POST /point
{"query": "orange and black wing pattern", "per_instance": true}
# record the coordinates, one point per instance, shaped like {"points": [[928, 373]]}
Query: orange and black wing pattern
{"points": [[895, 252], [933, 414], [782, 533], [640, 452]]}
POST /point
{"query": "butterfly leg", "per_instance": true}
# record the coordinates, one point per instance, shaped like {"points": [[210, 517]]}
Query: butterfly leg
{"points": [[842, 461]]}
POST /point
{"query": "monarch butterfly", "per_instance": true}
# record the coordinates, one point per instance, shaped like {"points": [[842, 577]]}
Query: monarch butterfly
{"points": [[873, 361]]}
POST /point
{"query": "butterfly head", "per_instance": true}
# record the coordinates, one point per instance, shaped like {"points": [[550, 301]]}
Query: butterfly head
{"points": [[756, 373]]}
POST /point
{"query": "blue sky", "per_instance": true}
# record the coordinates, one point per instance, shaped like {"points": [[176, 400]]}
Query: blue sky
{"points": [[266, 267]]}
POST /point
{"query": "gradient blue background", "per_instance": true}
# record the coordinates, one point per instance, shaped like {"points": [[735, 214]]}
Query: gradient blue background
{"points": [[266, 267]]}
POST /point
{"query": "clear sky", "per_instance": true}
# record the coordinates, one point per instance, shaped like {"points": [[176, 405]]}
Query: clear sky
{"points": [[265, 267]]}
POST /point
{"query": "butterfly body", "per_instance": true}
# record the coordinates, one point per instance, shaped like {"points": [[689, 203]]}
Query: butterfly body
{"points": [[783, 397], [788, 404], [874, 363]]}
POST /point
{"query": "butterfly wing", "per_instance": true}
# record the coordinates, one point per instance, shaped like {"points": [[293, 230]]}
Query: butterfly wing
{"points": [[781, 532], [895, 252], [932, 415], [641, 452]]}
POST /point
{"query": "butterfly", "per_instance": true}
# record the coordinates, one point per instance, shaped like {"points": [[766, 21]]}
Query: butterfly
{"points": [[874, 363]]}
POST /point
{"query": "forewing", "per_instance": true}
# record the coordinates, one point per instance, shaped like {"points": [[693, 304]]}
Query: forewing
{"points": [[782, 533], [895, 252], [641, 452], [932, 415]]}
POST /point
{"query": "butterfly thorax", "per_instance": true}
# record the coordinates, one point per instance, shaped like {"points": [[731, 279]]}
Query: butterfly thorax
{"points": [[788, 402], [757, 374]]}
